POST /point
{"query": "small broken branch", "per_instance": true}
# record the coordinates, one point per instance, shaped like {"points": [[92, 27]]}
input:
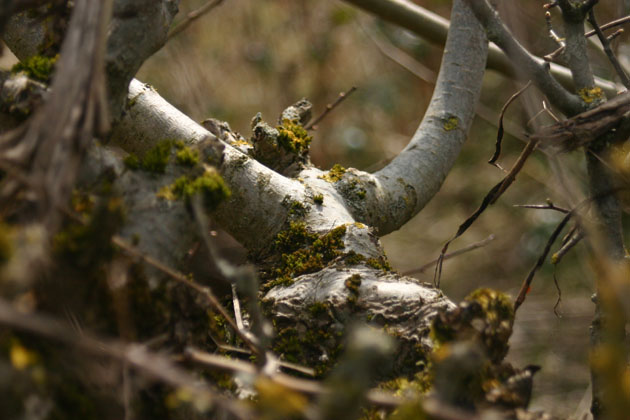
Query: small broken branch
{"points": [[193, 16], [342, 96], [450, 255]]}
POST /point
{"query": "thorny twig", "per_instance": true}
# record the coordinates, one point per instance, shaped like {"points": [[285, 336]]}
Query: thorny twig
{"points": [[342, 96], [193, 16]]}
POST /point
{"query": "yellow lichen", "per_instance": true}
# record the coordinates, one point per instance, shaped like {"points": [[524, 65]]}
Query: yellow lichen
{"points": [[451, 123], [591, 95]]}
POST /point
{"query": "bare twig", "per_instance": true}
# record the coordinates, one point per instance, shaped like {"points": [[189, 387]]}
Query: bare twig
{"points": [[609, 25], [193, 16], [609, 52], [342, 96], [450, 255]]}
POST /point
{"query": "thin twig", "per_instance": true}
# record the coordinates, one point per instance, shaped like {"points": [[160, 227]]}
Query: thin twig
{"points": [[573, 240], [133, 355], [342, 96], [609, 52], [525, 287], [176, 275], [559, 300], [460, 251], [374, 396], [548, 206], [609, 25], [497, 149], [193, 16]]}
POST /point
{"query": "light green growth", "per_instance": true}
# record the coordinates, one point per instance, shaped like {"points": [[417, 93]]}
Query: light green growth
{"points": [[360, 225], [589, 96], [361, 194], [334, 174], [292, 137], [210, 185], [451, 123], [304, 252], [318, 199], [420, 384], [6, 243], [185, 155], [37, 67]]}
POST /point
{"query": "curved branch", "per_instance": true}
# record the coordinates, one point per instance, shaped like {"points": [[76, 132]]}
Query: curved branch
{"points": [[401, 189], [434, 28]]}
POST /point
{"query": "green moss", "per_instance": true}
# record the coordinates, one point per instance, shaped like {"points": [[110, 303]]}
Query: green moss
{"points": [[132, 162], [353, 283], [82, 244], [318, 199], [334, 174], [485, 317], [361, 194], [293, 137], [379, 264], [304, 252], [297, 209], [185, 155], [303, 348], [37, 67], [156, 158], [318, 308], [6, 243], [451, 123], [210, 185]]}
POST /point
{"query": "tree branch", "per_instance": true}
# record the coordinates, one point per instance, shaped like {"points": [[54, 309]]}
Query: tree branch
{"points": [[434, 28]]}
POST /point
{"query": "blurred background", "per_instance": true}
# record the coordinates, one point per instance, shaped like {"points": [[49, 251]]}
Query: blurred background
{"points": [[245, 57]]}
